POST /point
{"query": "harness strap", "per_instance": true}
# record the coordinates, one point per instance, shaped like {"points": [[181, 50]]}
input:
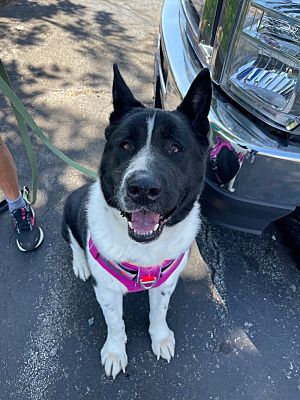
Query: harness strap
{"points": [[136, 278]]}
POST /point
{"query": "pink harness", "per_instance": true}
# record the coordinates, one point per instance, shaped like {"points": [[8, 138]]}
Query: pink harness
{"points": [[134, 277]]}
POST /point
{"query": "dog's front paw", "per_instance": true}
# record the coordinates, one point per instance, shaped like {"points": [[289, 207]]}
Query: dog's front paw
{"points": [[81, 270], [164, 346], [113, 358]]}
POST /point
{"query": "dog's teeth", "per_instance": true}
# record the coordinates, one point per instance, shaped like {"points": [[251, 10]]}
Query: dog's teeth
{"points": [[143, 233], [156, 227]]}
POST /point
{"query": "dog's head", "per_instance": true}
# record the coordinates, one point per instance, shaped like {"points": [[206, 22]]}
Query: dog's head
{"points": [[153, 164]]}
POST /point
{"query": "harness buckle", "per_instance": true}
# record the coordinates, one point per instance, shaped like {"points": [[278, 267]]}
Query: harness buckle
{"points": [[147, 282]]}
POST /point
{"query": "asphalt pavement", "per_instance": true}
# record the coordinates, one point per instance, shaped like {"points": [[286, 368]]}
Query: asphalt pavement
{"points": [[235, 313]]}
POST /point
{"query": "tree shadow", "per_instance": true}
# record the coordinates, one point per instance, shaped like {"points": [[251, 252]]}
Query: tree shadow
{"points": [[25, 11], [46, 308], [93, 32]]}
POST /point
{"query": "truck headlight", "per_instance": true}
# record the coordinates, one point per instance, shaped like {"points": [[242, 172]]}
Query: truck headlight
{"points": [[263, 69]]}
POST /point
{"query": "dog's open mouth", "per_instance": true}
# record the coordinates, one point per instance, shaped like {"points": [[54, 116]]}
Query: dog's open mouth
{"points": [[144, 226]]}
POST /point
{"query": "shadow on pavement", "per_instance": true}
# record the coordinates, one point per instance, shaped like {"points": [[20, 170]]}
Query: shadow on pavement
{"points": [[236, 319]]}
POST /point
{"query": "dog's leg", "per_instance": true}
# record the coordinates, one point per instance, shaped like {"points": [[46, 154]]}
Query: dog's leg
{"points": [[80, 265], [113, 353], [163, 341]]}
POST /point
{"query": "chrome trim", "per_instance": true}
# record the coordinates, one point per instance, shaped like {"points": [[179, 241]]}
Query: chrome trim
{"points": [[232, 13], [276, 115], [162, 82], [267, 164], [188, 16], [203, 50], [208, 20], [218, 59]]}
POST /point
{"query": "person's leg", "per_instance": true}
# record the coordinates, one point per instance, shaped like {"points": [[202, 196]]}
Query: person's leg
{"points": [[8, 173], [28, 235]]}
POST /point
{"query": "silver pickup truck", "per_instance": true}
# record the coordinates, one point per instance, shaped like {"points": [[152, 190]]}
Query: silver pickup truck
{"points": [[252, 49]]}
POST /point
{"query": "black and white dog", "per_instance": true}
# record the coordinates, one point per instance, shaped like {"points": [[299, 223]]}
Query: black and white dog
{"points": [[133, 227]]}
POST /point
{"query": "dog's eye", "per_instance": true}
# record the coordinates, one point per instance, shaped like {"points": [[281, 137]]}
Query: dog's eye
{"points": [[125, 145], [175, 148]]}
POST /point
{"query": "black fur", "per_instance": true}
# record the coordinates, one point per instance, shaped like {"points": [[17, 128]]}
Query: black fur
{"points": [[123, 99], [226, 164], [180, 174], [196, 104], [74, 216]]}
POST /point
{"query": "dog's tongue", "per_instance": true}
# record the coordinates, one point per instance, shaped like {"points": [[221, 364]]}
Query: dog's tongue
{"points": [[143, 221]]}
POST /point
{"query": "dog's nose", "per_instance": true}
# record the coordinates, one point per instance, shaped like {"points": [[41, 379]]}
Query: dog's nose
{"points": [[143, 188]]}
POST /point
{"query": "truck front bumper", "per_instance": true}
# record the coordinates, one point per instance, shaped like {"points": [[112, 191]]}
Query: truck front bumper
{"points": [[266, 186]]}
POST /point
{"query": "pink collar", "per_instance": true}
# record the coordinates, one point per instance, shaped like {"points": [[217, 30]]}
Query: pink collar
{"points": [[134, 277]]}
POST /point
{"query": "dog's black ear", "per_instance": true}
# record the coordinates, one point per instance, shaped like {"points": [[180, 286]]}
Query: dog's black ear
{"points": [[123, 99], [196, 103]]}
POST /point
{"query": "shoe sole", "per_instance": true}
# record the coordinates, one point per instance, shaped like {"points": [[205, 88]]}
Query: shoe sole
{"points": [[37, 245]]}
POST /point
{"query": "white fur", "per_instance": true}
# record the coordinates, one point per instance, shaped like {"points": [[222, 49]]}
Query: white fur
{"points": [[141, 161], [162, 337], [150, 126], [80, 265], [110, 234]]}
